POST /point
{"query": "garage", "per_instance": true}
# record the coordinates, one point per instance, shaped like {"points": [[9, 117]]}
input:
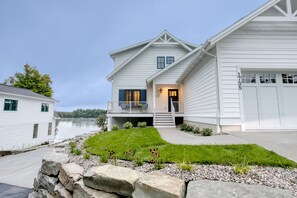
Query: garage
{"points": [[269, 100]]}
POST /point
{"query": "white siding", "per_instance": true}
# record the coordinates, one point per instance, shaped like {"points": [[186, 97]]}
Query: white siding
{"points": [[16, 127], [257, 46], [125, 55], [171, 75], [134, 75], [200, 101]]}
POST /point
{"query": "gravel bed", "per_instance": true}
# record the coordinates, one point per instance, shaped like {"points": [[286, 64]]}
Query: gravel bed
{"points": [[268, 176]]}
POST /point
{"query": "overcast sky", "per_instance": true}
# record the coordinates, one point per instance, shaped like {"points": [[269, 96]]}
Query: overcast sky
{"points": [[70, 39]]}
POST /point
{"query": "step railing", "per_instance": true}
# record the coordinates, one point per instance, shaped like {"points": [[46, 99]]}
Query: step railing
{"points": [[172, 110], [127, 107]]}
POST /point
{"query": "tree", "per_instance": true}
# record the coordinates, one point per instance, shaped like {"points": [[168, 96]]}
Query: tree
{"points": [[32, 79]]}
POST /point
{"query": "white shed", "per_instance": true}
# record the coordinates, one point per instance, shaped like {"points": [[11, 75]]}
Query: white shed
{"points": [[26, 118]]}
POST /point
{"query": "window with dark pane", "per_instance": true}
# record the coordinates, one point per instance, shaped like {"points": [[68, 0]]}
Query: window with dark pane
{"points": [[161, 62], [44, 107], [267, 78], [289, 78], [169, 59], [10, 105], [35, 131]]}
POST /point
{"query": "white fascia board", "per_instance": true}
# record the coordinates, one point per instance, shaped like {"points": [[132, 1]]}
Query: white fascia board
{"points": [[193, 62], [109, 77], [112, 53], [31, 97], [242, 21], [150, 79]]}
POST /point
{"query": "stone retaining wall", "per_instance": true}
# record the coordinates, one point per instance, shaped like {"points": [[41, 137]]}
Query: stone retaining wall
{"points": [[59, 178]]}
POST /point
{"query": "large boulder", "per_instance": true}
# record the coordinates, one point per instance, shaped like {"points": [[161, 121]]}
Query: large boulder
{"points": [[61, 192], [112, 179], [42, 193], [52, 162], [81, 191], [47, 182], [213, 189], [155, 185], [69, 174], [33, 195]]}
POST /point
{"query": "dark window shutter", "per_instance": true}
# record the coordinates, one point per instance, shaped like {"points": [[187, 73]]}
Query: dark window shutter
{"points": [[121, 96], [143, 95]]}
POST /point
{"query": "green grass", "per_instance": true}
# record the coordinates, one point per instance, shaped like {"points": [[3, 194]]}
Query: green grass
{"points": [[144, 139]]}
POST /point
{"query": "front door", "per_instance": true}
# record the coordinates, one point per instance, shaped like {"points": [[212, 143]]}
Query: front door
{"points": [[173, 95]]}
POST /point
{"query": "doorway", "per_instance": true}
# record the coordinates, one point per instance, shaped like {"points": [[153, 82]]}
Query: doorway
{"points": [[173, 95]]}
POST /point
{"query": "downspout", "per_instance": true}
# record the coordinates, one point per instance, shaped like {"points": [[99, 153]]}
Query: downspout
{"points": [[217, 91]]}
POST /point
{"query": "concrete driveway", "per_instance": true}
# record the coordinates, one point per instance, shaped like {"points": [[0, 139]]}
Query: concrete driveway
{"points": [[283, 143]]}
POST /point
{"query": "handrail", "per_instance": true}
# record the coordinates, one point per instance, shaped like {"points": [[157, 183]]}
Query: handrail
{"points": [[172, 110]]}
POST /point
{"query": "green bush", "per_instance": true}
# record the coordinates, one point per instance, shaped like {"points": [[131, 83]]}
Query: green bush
{"points": [[206, 132], [183, 127], [76, 151], [196, 130], [186, 166], [103, 158], [190, 128], [72, 145], [86, 156], [141, 124], [115, 127], [127, 125]]}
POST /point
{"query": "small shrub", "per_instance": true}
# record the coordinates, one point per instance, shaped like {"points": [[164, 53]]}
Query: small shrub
{"points": [[138, 161], [72, 145], [206, 132], [156, 159], [86, 156], [190, 128], [241, 169], [130, 154], [104, 128], [141, 124], [115, 127], [158, 166], [196, 130], [183, 127], [76, 151], [185, 166], [127, 125], [103, 159]]}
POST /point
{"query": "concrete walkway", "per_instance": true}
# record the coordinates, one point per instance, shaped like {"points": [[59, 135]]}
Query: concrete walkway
{"points": [[282, 142], [21, 169], [174, 136], [12, 191]]}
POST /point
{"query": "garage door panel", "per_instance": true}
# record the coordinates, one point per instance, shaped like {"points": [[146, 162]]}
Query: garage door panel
{"points": [[251, 106], [269, 108], [289, 103]]}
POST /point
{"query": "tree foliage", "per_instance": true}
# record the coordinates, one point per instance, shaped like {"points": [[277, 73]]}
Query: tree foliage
{"points": [[32, 79], [82, 113]]}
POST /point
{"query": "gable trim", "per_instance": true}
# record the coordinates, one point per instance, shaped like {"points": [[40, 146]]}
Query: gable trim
{"points": [[109, 77], [150, 79]]}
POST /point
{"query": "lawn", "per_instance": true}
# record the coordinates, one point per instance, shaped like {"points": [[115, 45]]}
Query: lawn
{"points": [[142, 140]]}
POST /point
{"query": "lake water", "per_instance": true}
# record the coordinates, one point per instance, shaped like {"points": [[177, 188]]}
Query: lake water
{"points": [[69, 128]]}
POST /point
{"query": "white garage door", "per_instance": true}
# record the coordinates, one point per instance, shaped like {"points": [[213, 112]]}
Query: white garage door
{"points": [[270, 100]]}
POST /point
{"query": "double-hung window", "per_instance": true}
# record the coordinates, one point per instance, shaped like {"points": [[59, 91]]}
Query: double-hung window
{"points": [[44, 107], [10, 105], [160, 62]]}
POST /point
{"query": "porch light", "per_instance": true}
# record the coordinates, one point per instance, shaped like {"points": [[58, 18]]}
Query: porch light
{"points": [[160, 90]]}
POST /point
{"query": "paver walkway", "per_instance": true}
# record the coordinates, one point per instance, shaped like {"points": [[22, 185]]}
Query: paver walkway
{"points": [[174, 136]]}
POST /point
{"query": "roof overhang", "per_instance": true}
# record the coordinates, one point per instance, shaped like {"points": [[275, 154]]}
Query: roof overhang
{"points": [[31, 97]]}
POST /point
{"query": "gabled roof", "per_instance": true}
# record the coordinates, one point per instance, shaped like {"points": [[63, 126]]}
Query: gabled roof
{"points": [[163, 34], [221, 35], [150, 79], [112, 53], [22, 92]]}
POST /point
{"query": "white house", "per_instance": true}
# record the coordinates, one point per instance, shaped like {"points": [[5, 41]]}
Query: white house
{"points": [[242, 79], [26, 118]]}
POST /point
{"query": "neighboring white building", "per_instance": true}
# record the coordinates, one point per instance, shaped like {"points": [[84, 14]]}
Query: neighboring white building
{"points": [[244, 78], [26, 118]]}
